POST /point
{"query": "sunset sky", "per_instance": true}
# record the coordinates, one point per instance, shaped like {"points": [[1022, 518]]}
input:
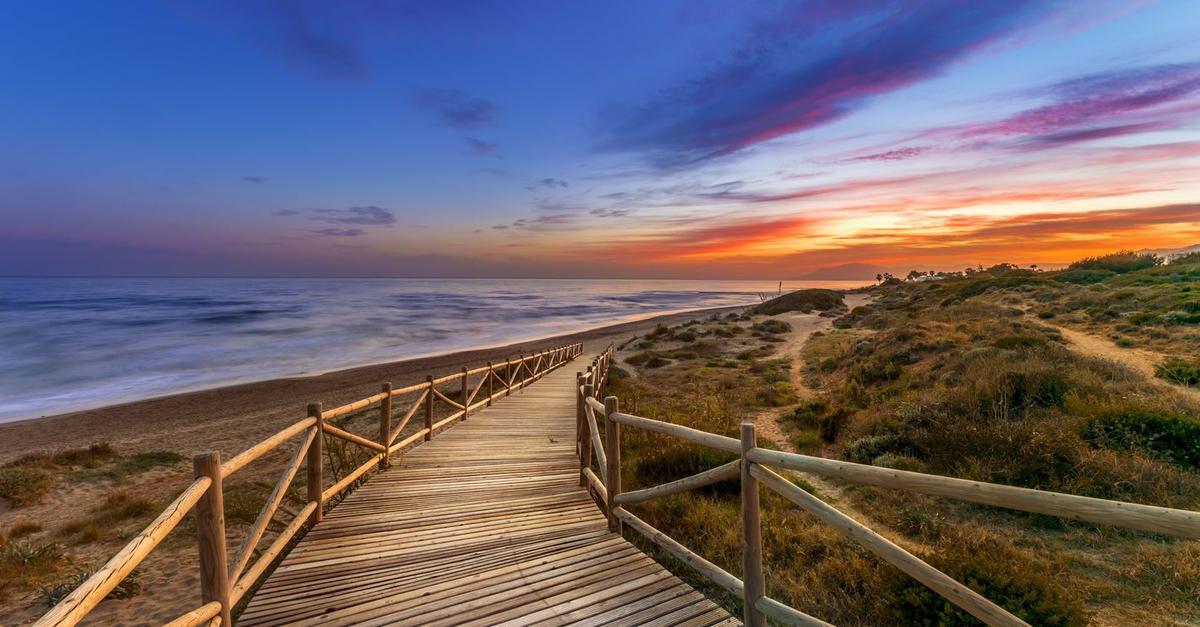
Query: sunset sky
{"points": [[704, 139]]}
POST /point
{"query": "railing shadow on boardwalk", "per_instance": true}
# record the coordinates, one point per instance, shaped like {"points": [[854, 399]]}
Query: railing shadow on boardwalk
{"points": [[598, 435], [224, 581]]}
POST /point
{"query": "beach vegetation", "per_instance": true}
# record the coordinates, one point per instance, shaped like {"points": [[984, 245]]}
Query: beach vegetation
{"points": [[21, 486], [103, 520], [972, 376]]}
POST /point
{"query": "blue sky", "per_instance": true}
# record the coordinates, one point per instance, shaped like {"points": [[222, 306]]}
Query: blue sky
{"points": [[697, 139]]}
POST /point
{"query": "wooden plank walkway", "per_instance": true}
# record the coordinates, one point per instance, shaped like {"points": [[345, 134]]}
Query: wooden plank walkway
{"points": [[484, 525]]}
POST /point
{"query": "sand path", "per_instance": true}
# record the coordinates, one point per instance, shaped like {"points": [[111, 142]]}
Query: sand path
{"points": [[1139, 360], [767, 422]]}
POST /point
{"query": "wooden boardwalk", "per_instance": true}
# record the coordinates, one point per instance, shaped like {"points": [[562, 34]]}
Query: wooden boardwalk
{"points": [[486, 524]]}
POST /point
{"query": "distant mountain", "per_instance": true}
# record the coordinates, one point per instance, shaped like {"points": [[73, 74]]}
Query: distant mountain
{"points": [[1167, 253], [844, 272]]}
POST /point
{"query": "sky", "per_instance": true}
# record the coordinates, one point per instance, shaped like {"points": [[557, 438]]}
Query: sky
{"points": [[605, 139]]}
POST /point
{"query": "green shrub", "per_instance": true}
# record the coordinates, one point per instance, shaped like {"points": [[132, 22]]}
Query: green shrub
{"points": [[807, 442], [24, 486], [142, 462], [804, 301], [647, 359], [867, 449], [1045, 315], [1083, 277], [1119, 262], [807, 414], [771, 326], [88, 457], [1015, 342], [1179, 371], [1158, 433], [776, 394]]}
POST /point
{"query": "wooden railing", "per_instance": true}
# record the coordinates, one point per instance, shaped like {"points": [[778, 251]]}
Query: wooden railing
{"points": [[224, 581], [755, 467]]}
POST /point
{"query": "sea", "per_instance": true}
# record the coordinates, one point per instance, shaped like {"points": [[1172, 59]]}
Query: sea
{"points": [[69, 344]]}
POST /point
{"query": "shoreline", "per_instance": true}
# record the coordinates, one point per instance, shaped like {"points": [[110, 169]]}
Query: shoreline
{"points": [[231, 415]]}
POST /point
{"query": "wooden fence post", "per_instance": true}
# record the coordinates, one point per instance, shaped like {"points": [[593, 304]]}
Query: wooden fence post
{"points": [[314, 461], [210, 525], [586, 442], [612, 450], [385, 425], [584, 433], [752, 569], [465, 392], [429, 408], [507, 376], [491, 376]]}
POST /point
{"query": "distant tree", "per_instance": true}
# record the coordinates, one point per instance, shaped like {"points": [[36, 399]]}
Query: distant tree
{"points": [[1119, 262]]}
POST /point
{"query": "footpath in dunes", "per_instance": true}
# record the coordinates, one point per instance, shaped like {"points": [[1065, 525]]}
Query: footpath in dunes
{"points": [[484, 525]]}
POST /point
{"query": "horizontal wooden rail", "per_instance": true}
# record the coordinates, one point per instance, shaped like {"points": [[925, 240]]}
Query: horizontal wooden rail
{"points": [[787, 614], [241, 460], [350, 408], [199, 616], [934, 579], [1174, 522], [696, 436], [232, 584], [725, 472]]}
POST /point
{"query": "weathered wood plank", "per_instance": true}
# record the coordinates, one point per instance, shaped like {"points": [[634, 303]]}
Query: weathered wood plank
{"points": [[483, 525]]}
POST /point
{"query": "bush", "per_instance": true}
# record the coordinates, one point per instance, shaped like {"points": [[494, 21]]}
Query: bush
{"points": [[1179, 371], [88, 457], [647, 359], [1015, 342], [776, 394], [142, 462], [20, 530], [24, 486], [867, 449], [1083, 277], [997, 572], [1158, 433], [771, 326], [1119, 262], [805, 301], [807, 442]]}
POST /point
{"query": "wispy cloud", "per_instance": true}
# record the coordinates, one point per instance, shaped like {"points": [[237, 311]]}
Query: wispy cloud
{"points": [[332, 232], [457, 109], [1107, 104], [369, 215], [481, 148], [811, 65], [898, 154], [254, 179]]}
